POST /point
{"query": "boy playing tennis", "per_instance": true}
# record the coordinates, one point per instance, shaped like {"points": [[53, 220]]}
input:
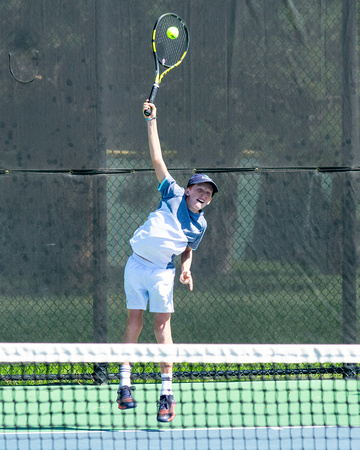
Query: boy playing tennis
{"points": [[175, 228]]}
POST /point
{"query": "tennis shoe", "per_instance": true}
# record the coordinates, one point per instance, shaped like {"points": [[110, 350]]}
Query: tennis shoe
{"points": [[125, 399], [166, 411]]}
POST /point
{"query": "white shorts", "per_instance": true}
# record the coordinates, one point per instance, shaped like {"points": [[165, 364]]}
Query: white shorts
{"points": [[144, 281]]}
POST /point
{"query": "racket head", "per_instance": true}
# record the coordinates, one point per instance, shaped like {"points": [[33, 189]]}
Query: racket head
{"points": [[170, 52]]}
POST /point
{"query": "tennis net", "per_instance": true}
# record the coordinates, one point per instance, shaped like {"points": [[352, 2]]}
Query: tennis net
{"points": [[63, 396]]}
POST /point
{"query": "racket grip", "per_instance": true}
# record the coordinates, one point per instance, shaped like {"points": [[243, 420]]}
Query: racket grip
{"points": [[152, 96]]}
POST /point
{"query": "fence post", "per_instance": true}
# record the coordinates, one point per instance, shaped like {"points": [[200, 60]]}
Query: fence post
{"points": [[350, 144]]}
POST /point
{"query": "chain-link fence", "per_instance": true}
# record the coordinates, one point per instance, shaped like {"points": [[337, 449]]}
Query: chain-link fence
{"points": [[266, 102]]}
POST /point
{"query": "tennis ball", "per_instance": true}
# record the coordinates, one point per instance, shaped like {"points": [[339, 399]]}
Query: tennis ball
{"points": [[172, 32]]}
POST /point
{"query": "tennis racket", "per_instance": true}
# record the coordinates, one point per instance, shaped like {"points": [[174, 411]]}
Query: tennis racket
{"points": [[170, 43]]}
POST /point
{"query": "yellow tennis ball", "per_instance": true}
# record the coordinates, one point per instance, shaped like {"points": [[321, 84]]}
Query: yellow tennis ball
{"points": [[172, 32]]}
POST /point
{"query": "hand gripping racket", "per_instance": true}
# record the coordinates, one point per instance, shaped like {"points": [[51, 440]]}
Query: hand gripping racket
{"points": [[170, 43]]}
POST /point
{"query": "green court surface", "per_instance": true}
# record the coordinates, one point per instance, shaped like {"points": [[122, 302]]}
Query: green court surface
{"points": [[295, 403]]}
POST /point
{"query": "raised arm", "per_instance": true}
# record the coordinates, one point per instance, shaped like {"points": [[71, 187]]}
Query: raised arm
{"points": [[154, 144]]}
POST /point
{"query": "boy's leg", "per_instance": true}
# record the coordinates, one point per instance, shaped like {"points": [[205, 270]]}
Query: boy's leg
{"points": [[133, 326], [162, 329], [132, 332]]}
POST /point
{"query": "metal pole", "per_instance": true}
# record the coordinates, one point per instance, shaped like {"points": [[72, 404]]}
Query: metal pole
{"points": [[350, 144]]}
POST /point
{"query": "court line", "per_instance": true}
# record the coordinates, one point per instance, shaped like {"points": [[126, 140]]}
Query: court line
{"points": [[162, 430]]}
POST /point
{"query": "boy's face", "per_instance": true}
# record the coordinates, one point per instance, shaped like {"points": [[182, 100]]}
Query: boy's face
{"points": [[198, 196]]}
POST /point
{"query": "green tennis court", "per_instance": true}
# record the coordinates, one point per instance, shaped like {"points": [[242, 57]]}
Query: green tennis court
{"points": [[206, 411]]}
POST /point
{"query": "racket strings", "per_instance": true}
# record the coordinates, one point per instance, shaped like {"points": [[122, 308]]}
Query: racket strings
{"points": [[170, 51]]}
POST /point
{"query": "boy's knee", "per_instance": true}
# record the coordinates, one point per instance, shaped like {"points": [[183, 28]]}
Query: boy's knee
{"points": [[135, 325], [163, 334], [135, 321]]}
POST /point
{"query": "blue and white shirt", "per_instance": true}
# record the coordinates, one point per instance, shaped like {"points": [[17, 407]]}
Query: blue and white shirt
{"points": [[170, 229]]}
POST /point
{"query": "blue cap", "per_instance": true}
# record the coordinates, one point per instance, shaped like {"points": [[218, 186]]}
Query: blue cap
{"points": [[202, 178]]}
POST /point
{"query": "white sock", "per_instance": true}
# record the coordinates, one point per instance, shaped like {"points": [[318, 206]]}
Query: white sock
{"points": [[166, 387], [125, 372]]}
